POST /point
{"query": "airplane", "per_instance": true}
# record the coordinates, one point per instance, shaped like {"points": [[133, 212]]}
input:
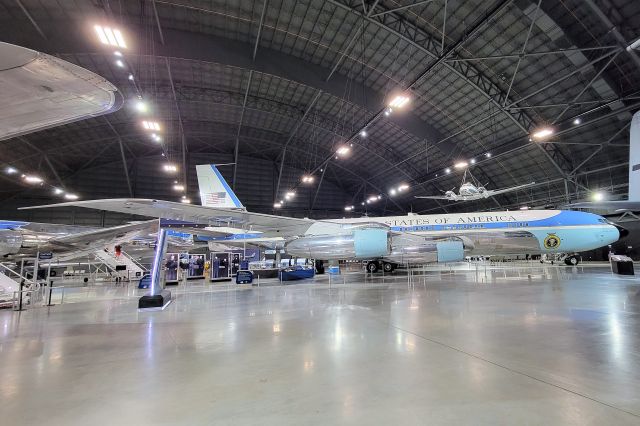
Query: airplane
{"points": [[632, 203], [39, 91], [470, 191], [20, 239], [384, 242]]}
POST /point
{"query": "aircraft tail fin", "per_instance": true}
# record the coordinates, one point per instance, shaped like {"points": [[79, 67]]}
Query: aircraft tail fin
{"points": [[214, 189], [634, 158]]}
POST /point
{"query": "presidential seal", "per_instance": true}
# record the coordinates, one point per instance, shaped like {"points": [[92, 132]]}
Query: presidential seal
{"points": [[552, 241]]}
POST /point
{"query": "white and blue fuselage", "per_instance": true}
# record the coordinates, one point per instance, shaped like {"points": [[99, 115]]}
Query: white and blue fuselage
{"points": [[492, 233]]}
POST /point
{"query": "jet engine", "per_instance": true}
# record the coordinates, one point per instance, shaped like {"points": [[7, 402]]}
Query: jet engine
{"points": [[416, 249], [365, 243], [10, 242]]}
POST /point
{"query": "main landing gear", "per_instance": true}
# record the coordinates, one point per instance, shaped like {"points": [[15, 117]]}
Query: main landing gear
{"points": [[374, 266]]}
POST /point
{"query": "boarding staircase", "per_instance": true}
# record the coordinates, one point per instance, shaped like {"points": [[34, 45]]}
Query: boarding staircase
{"points": [[111, 261]]}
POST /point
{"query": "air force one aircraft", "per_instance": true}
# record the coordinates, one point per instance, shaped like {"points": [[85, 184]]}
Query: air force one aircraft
{"points": [[469, 192], [383, 241]]}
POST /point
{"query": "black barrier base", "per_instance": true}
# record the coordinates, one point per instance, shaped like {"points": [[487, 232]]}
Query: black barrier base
{"points": [[156, 301]]}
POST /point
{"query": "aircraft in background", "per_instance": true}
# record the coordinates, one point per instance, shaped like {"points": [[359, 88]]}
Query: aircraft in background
{"points": [[470, 191], [25, 239], [383, 241], [632, 203]]}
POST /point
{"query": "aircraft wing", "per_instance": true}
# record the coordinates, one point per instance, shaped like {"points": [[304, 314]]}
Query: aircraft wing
{"points": [[270, 225], [104, 236], [513, 188], [607, 205]]}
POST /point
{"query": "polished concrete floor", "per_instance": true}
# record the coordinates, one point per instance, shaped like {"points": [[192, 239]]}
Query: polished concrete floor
{"points": [[539, 345]]}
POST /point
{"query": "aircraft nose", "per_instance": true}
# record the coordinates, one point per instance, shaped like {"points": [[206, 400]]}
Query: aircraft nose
{"points": [[622, 231]]}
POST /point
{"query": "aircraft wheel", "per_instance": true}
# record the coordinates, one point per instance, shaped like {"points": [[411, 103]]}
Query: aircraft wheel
{"points": [[372, 267], [387, 267], [572, 260]]}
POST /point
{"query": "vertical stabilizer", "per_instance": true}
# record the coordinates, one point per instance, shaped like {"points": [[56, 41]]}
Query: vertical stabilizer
{"points": [[214, 190], [634, 158]]}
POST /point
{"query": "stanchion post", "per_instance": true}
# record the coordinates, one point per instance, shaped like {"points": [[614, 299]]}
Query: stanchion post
{"points": [[20, 295], [50, 291]]}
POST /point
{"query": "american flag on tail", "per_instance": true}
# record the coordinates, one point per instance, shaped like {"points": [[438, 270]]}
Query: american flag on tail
{"points": [[215, 197]]}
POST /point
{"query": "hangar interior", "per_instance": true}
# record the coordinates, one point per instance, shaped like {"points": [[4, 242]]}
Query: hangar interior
{"points": [[331, 109]]}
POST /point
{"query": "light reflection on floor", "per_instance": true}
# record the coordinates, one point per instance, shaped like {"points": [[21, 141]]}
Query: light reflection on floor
{"points": [[532, 345]]}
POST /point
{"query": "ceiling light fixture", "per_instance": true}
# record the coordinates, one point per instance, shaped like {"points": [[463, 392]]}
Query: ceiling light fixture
{"points": [[71, 196], [277, 205], [343, 150], [185, 201], [131, 77], [33, 179], [403, 187], [348, 208], [110, 36], [447, 170], [542, 133], [399, 101], [57, 191], [461, 165], [488, 155], [392, 192], [473, 161], [598, 196], [577, 121], [170, 168], [307, 179], [363, 133], [118, 53], [141, 106], [11, 170], [178, 187], [120, 63], [151, 125]]}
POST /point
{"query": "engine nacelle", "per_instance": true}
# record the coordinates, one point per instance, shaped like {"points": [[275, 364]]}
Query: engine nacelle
{"points": [[10, 242], [410, 249], [359, 244]]}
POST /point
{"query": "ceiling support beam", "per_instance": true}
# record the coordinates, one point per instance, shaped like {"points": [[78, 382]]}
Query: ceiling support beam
{"points": [[55, 173], [529, 54], [524, 49], [614, 30], [41, 152], [155, 14], [313, 203], [290, 138], [397, 9], [589, 84], [257, 42], [236, 149], [182, 137], [126, 167], [30, 18], [444, 26], [347, 49], [593, 154], [124, 159]]}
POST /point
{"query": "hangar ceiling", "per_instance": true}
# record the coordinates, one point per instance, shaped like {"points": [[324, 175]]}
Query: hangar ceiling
{"points": [[280, 85]]}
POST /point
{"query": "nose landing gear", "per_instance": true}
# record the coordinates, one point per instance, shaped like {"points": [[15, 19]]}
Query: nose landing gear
{"points": [[572, 260]]}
